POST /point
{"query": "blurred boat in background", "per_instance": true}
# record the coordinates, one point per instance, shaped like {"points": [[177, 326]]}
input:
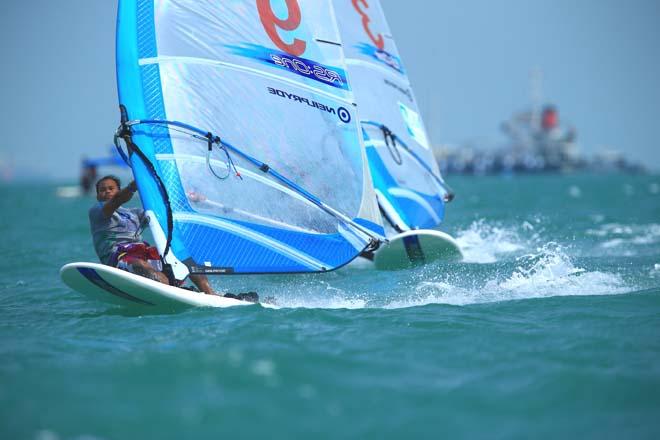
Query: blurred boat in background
{"points": [[536, 142], [89, 173]]}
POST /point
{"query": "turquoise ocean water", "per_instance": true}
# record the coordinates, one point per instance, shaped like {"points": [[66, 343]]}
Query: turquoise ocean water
{"points": [[550, 328]]}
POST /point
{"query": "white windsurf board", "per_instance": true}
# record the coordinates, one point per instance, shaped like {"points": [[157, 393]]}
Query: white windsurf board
{"points": [[415, 247], [115, 286]]}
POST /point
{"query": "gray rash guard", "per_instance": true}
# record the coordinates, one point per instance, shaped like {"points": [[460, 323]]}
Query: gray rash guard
{"points": [[123, 226]]}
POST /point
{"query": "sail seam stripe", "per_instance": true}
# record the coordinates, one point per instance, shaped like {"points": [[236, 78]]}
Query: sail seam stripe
{"points": [[255, 237], [406, 193], [194, 60], [370, 65], [377, 143], [334, 43], [416, 159]]}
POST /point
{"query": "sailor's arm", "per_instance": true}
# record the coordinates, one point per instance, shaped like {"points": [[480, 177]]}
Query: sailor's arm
{"points": [[123, 195]]}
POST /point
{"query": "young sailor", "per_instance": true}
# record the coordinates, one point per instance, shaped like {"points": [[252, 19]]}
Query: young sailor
{"points": [[116, 232]]}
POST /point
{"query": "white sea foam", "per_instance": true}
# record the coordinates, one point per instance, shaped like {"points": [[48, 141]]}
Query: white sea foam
{"points": [[330, 302], [263, 367], [46, 434], [482, 242], [321, 295], [550, 272], [547, 272], [575, 192], [617, 235], [435, 292], [544, 271], [655, 271]]}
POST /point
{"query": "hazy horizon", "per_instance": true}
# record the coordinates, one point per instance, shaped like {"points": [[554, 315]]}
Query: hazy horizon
{"points": [[469, 65]]}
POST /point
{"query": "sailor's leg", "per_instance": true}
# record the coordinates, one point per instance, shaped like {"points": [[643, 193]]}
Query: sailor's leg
{"points": [[143, 268], [202, 284]]}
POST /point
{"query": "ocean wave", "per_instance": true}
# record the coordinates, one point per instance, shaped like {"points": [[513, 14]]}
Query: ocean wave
{"points": [[512, 265], [617, 234], [322, 302], [483, 242], [545, 273], [319, 294]]}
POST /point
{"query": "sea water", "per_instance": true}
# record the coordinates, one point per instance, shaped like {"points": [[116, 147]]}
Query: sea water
{"points": [[549, 328]]}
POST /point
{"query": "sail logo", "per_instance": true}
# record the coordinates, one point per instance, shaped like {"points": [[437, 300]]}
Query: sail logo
{"points": [[381, 56], [342, 113], [304, 67]]}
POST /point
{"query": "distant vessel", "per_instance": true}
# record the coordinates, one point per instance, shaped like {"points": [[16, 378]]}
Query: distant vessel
{"points": [[539, 144], [89, 173], [89, 168], [536, 142], [410, 190], [536, 139]]}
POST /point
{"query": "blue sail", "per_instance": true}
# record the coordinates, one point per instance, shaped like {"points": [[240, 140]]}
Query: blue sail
{"points": [[246, 147], [407, 181]]}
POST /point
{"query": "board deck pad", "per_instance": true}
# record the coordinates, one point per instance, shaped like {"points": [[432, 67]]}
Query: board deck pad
{"points": [[118, 287], [412, 248]]}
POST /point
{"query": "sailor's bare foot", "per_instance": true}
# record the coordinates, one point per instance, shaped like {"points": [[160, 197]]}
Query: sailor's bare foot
{"points": [[247, 296]]}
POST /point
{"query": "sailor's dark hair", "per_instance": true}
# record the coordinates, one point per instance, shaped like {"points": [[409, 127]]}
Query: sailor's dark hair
{"points": [[108, 177]]}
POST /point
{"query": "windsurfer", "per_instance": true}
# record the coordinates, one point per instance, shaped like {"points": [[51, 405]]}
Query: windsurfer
{"points": [[87, 175], [116, 232]]}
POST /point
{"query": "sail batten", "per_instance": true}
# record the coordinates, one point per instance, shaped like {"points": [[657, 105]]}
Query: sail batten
{"points": [[296, 195], [376, 67], [251, 235]]}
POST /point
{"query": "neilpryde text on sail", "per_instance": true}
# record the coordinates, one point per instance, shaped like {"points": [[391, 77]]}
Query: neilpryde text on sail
{"points": [[343, 114]]}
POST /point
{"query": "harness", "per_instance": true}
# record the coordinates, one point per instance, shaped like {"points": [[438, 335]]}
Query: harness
{"points": [[131, 251]]}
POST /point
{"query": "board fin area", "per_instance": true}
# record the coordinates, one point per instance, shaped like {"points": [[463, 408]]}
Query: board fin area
{"points": [[115, 286], [416, 247]]}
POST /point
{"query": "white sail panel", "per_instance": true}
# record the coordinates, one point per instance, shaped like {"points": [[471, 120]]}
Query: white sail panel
{"points": [[398, 147], [268, 78]]}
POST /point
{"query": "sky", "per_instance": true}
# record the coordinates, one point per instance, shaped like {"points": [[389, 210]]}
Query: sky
{"points": [[469, 63]]}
